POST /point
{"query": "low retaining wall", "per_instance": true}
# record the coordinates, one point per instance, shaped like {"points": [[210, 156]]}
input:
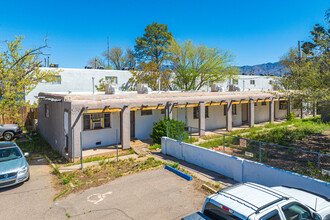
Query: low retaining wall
{"points": [[241, 170]]}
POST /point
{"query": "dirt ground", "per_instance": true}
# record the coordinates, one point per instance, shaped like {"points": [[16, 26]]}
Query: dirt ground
{"points": [[288, 159]]}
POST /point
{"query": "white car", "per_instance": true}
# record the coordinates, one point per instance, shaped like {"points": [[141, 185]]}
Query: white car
{"points": [[253, 201]]}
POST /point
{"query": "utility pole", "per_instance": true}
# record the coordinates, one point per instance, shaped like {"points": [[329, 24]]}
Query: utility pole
{"points": [[108, 56]]}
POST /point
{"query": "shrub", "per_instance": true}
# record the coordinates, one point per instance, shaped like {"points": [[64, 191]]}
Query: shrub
{"points": [[291, 116], [175, 130]]}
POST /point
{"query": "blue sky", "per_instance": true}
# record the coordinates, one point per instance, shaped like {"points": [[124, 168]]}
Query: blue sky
{"points": [[256, 31]]}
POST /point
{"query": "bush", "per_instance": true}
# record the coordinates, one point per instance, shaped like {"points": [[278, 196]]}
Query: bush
{"points": [[175, 130], [291, 116]]}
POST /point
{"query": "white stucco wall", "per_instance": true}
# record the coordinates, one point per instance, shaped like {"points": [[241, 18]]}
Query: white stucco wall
{"points": [[216, 118], [144, 124], [240, 169], [261, 112], [261, 83], [279, 113], [106, 136], [78, 80]]}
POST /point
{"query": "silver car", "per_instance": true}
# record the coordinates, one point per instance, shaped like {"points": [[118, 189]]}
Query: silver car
{"points": [[13, 165]]}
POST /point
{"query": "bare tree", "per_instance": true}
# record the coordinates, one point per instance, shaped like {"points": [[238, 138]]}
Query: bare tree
{"points": [[95, 62]]}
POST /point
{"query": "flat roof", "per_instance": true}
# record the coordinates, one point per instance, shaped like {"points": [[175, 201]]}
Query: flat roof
{"points": [[120, 99]]}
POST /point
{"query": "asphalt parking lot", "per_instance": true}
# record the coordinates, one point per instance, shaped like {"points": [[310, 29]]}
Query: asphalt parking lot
{"points": [[155, 194], [29, 200]]}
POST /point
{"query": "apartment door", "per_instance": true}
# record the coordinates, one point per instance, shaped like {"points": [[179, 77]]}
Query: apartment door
{"points": [[245, 112], [132, 124]]}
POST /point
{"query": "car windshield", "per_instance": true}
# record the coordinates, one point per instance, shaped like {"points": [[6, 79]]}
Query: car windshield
{"points": [[11, 153]]}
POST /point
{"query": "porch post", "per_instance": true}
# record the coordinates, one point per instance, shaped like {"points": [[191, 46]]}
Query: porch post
{"points": [[271, 110], [302, 110], [229, 116], [251, 113], [125, 127], [168, 110], [201, 119], [289, 106]]}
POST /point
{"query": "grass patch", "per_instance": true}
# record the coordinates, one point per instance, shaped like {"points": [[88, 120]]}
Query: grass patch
{"points": [[155, 147], [99, 174], [38, 145], [191, 140]]}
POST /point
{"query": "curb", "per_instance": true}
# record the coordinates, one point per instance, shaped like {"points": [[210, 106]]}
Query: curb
{"points": [[178, 172], [209, 189]]}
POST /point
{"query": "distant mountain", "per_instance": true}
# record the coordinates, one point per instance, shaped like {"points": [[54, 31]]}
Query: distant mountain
{"points": [[265, 69]]}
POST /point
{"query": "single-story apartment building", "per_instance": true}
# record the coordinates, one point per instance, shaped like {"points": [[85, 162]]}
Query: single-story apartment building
{"points": [[74, 121]]}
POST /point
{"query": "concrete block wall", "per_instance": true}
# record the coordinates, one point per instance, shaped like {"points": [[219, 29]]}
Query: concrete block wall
{"points": [[241, 169]]}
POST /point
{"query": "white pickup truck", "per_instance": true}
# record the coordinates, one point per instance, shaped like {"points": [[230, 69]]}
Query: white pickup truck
{"points": [[253, 201]]}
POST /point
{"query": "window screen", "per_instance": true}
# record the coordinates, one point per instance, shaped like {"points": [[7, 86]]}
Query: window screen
{"points": [[46, 110], [87, 122], [146, 112], [283, 105], [107, 120]]}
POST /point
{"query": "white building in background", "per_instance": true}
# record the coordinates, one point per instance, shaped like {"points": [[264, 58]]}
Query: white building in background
{"points": [[81, 80]]}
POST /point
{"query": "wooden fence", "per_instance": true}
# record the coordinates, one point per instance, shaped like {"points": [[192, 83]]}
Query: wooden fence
{"points": [[27, 116]]}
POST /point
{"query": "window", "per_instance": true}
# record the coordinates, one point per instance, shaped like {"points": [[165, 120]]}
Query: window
{"points": [[96, 121], [264, 103], [57, 80], [271, 216], [111, 79], [283, 105], [215, 212], [107, 120], [255, 103], [146, 112], [46, 110], [87, 122], [296, 211], [196, 112], [235, 81], [162, 111], [252, 82], [233, 109]]}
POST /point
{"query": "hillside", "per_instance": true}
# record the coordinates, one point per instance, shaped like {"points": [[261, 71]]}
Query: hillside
{"points": [[263, 69]]}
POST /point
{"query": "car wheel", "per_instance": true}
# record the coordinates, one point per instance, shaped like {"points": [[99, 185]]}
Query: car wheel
{"points": [[8, 136], [28, 177]]}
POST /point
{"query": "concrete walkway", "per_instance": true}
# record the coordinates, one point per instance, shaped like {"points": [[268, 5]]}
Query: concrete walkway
{"points": [[93, 163], [199, 172]]}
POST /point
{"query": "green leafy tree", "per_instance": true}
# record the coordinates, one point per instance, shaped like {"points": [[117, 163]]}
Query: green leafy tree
{"points": [[19, 75], [102, 82], [175, 130], [152, 46], [308, 76], [195, 65], [150, 73]]}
